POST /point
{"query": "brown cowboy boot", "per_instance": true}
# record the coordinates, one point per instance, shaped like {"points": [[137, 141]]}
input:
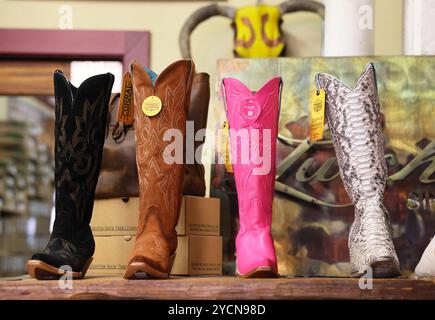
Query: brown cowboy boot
{"points": [[161, 103], [118, 174], [118, 179], [194, 182]]}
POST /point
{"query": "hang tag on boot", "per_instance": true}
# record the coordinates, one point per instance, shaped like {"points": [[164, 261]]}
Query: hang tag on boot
{"points": [[151, 106], [126, 103], [226, 147], [317, 115]]}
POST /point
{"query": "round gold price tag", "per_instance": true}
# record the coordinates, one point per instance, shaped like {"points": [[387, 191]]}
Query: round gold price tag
{"points": [[151, 106]]}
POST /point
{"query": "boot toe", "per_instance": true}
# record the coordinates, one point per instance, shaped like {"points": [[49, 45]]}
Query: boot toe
{"points": [[52, 260], [256, 265], [61, 259], [156, 263]]}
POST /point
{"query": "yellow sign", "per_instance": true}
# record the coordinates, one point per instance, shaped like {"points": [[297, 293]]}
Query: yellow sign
{"points": [[258, 33], [151, 106]]}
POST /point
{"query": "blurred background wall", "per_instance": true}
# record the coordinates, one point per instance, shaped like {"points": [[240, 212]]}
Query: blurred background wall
{"points": [[211, 40]]}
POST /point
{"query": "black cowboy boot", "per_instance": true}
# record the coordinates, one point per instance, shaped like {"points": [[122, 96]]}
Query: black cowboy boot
{"points": [[80, 126]]}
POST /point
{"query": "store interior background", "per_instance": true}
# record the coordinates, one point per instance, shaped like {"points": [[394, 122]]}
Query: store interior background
{"points": [[211, 41]]}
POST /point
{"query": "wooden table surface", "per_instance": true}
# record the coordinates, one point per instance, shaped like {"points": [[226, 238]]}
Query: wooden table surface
{"points": [[226, 287]]}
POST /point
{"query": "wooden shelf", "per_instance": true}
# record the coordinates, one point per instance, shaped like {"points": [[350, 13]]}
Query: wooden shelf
{"points": [[229, 288]]}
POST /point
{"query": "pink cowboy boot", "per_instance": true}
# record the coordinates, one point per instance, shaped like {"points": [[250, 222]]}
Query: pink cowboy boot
{"points": [[253, 152]]}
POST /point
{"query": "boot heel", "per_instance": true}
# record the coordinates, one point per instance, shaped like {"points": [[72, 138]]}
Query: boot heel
{"points": [[85, 268], [142, 270], [259, 272], [43, 271]]}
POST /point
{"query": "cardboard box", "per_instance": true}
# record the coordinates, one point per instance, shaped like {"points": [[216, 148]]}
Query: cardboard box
{"points": [[196, 255], [111, 254], [115, 217], [199, 216], [119, 217]]}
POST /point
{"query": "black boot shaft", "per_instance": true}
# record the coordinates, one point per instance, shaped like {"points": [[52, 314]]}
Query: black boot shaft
{"points": [[81, 117]]}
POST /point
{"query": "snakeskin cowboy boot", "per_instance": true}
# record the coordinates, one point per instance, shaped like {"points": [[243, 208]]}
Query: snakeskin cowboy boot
{"points": [[354, 121], [253, 123], [80, 127], [161, 104]]}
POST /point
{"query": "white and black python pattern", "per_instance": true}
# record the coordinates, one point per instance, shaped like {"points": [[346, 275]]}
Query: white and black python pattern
{"points": [[353, 116]]}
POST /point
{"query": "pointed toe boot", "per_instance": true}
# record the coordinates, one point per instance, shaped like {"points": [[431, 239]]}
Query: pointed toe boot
{"points": [[160, 104], [253, 123], [80, 126], [353, 116]]}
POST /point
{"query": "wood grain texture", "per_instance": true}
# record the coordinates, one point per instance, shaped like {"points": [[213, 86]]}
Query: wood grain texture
{"points": [[229, 288], [25, 77], [76, 45]]}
